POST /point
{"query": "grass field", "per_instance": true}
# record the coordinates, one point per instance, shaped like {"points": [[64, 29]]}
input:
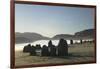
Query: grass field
{"points": [[77, 53]]}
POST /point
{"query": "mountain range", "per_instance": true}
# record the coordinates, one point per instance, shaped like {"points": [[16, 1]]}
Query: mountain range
{"points": [[31, 37]]}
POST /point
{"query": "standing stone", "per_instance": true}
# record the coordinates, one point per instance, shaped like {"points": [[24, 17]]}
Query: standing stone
{"points": [[38, 50], [52, 49], [33, 51], [45, 51], [62, 48], [81, 41], [27, 48], [71, 41], [38, 46]]}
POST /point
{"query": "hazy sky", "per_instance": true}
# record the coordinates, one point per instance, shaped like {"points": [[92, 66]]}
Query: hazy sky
{"points": [[52, 20]]}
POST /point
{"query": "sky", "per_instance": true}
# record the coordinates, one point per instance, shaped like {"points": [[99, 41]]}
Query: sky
{"points": [[51, 20]]}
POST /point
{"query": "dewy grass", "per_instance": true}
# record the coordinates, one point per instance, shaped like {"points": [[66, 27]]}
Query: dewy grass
{"points": [[77, 53]]}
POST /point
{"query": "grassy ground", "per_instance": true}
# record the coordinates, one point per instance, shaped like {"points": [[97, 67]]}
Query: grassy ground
{"points": [[77, 53]]}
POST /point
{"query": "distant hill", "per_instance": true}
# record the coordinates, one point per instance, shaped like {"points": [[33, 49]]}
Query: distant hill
{"points": [[88, 33], [28, 37], [84, 34], [22, 40], [31, 37], [64, 36]]}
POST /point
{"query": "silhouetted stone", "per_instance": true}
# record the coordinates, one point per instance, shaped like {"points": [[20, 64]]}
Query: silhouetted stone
{"points": [[27, 48], [81, 41], [62, 48], [33, 51], [45, 51], [92, 41], [38, 46], [52, 49], [50, 43], [38, 50], [71, 41]]}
